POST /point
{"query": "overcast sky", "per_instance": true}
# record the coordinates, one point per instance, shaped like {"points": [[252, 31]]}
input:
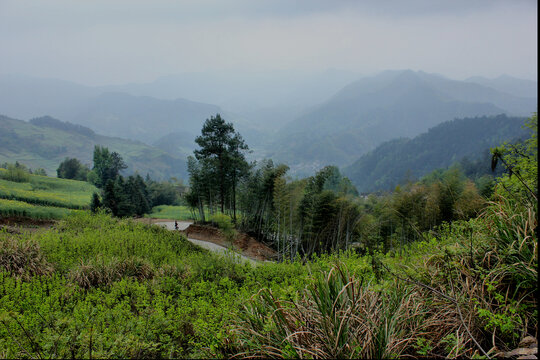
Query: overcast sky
{"points": [[100, 42]]}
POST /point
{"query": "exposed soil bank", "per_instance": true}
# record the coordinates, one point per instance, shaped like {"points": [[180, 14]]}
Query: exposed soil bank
{"points": [[244, 243]]}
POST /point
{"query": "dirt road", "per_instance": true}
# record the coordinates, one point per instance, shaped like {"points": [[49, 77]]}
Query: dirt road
{"points": [[183, 225]]}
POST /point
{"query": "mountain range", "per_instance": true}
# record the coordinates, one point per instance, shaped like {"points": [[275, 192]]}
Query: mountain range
{"points": [[333, 117], [392, 162], [376, 109]]}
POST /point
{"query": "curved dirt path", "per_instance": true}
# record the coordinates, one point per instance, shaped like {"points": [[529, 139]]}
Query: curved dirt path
{"points": [[183, 225]]}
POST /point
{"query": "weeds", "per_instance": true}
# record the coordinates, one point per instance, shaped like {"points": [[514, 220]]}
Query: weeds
{"points": [[22, 258], [340, 316], [99, 272]]}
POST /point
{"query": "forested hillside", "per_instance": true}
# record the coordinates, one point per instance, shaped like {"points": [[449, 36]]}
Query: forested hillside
{"points": [[403, 159], [380, 108], [45, 142]]}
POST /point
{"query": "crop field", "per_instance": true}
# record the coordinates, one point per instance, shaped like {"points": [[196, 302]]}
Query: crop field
{"points": [[173, 212], [21, 208], [49, 191]]}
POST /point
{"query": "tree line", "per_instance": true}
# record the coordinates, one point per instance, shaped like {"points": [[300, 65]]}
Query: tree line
{"points": [[322, 213], [122, 196]]}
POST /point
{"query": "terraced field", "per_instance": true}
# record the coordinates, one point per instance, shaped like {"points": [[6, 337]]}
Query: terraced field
{"points": [[44, 197]]}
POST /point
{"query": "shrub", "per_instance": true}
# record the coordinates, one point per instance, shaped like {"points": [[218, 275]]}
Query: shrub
{"points": [[340, 316], [15, 172], [100, 272]]}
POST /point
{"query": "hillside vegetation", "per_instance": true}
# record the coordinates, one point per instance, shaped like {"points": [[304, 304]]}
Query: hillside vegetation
{"points": [[100, 287], [375, 109], [392, 162], [45, 142], [42, 197], [48, 191]]}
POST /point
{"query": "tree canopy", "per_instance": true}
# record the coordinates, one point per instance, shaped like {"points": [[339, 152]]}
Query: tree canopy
{"points": [[218, 165]]}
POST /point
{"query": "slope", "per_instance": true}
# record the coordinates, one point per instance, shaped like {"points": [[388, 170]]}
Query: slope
{"points": [[376, 109], [508, 84], [142, 118], [119, 114], [47, 141], [395, 160]]}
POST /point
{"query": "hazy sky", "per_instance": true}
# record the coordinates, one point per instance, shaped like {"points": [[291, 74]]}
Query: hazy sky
{"points": [[101, 42]]}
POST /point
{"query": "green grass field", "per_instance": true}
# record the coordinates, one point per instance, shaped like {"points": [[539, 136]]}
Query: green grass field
{"points": [[172, 212], [49, 191], [20, 208], [44, 197]]}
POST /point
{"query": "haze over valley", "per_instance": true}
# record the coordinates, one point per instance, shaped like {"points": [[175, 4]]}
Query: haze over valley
{"points": [[346, 116]]}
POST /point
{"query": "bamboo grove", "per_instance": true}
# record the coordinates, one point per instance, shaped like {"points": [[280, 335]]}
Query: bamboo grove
{"points": [[322, 213]]}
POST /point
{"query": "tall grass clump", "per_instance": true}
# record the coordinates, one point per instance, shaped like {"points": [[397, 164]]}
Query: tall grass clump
{"points": [[22, 258], [100, 272], [514, 240], [342, 316]]}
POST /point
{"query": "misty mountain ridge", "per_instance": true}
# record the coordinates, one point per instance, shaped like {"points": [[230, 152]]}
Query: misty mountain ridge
{"points": [[142, 118], [509, 85], [390, 163], [389, 105], [350, 121]]}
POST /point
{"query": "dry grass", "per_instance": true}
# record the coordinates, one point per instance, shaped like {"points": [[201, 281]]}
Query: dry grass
{"points": [[97, 273], [22, 258]]}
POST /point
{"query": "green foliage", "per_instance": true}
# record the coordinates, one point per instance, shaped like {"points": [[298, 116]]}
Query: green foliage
{"points": [[179, 212], [72, 168], [48, 191], [126, 198], [426, 279], [45, 145], [521, 161], [396, 161], [40, 172], [107, 165], [221, 165], [95, 204], [164, 193], [15, 172], [23, 209], [120, 289]]}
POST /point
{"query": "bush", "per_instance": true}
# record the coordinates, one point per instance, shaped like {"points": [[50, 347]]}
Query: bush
{"points": [[100, 272], [340, 316], [15, 172]]}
